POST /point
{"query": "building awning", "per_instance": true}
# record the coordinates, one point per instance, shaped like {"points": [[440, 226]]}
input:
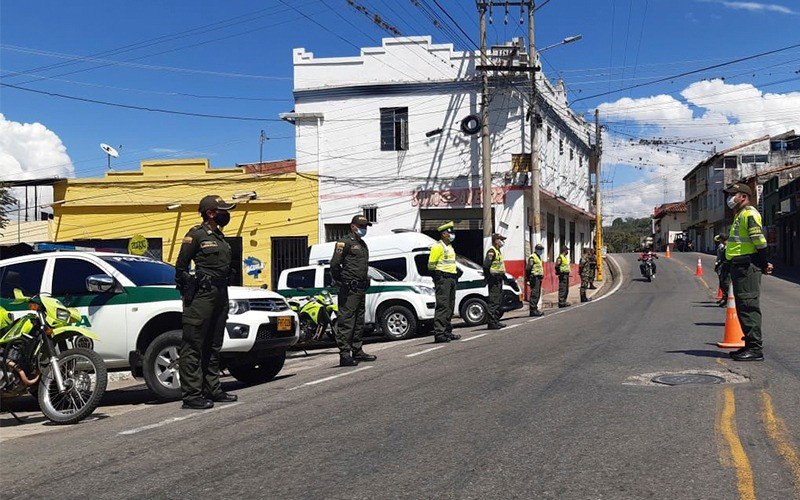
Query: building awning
{"points": [[575, 209]]}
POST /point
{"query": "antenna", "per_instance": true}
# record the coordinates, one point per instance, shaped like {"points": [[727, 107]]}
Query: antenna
{"points": [[109, 152]]}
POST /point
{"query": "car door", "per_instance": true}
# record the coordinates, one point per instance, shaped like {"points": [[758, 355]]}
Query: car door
{"points": [[103, 313]]}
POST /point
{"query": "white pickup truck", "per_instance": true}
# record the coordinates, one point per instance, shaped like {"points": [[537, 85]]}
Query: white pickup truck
{"points": [[139, 319]]}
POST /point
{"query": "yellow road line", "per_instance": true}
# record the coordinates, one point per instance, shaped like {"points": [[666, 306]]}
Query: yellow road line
{"points": [[778, 433], [726, 426]]}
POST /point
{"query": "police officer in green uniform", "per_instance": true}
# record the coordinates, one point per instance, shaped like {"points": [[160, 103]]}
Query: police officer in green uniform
{"points": [[494, 271], [586, 272], [593, 265], [534, 270], [722, 267], [442, 264], [349, 270], [562, 271], [205, 304], [746, 253]]}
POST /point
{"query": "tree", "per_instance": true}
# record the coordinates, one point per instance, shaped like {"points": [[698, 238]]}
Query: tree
{"points": [[6, 201]]}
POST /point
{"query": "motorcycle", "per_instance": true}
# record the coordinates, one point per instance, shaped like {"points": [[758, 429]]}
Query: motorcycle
{"points": [[68, 383], [316, 313], [647, 268]]}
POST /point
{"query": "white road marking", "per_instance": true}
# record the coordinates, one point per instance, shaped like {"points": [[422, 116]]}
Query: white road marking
{"points": [[326, 379], [175, 419], [510, 327], [474, 337], [423, 352]]}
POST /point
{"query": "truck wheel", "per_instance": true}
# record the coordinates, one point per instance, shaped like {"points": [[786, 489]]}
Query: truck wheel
{"points": [[263, 370], [160, 365], [398, 323], [474, 311]]}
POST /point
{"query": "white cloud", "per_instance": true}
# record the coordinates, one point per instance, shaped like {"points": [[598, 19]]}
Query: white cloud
{"points": [[754, 6], [30, 151], [711, 115]]}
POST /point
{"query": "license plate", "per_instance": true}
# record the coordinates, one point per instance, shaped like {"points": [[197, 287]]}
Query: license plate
{"points": [[284, 323]]}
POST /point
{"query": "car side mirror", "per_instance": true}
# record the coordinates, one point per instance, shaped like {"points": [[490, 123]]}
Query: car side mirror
{"points": [[99, 283]]}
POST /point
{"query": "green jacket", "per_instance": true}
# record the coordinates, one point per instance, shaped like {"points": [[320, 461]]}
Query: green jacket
{"points": [[210, 252], [350, 261]]}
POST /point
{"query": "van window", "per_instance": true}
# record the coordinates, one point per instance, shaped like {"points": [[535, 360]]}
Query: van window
{"points": [[421, 260], [394, 267], [301, 279], [27, 276], [377, 275], [69, 277]]}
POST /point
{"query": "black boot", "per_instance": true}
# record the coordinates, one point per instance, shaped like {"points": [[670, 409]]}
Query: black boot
{"points": [[749, 354], [453, 336], [360, 356], [345, 359], [440, 339]]}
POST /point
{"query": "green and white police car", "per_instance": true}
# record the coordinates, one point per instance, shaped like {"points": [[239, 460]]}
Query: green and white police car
{"points": [[138, 320]]}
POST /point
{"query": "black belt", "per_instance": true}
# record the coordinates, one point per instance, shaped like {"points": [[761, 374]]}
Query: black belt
{"points": [[218, 282]]}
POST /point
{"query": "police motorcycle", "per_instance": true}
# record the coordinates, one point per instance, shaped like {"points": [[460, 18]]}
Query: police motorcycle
{"points": [[316, 313], [43, 352]]}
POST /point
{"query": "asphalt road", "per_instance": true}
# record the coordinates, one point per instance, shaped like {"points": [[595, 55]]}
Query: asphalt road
{"points": [[558, 407]]}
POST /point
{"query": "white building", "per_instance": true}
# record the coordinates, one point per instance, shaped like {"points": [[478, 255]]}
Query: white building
{"points": [[367, 126]]}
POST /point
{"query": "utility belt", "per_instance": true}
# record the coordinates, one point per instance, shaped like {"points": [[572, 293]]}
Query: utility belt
{"points": [[205, 282], [742, 260], [356, 285]]}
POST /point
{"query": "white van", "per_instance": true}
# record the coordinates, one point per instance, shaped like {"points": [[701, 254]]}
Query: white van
{"points": [[397, 308], [404, 255]]}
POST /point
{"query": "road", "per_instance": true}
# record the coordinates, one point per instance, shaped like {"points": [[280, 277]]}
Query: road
{"points": [[557, 407]]}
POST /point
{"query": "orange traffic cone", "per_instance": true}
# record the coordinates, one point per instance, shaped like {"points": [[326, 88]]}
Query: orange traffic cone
{"points": [[668, 256], [719, 293], [734, 336], [699, 271]]}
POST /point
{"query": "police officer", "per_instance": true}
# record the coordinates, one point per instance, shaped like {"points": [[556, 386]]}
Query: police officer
{"points": [[534, 270], [494, 271], [205, 304], [562, 271], [746, 251], [442, 263], [349, 267], [722, 267], [585, 270]]}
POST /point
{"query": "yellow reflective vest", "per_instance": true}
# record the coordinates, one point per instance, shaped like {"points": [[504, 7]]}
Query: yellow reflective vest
{"points": [[537, 268], [562, 264], [442, 258], [498, 264], [746, 236]]}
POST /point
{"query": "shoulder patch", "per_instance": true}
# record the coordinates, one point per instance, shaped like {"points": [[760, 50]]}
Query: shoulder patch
{"points": [[187, 239], [339, 246]]}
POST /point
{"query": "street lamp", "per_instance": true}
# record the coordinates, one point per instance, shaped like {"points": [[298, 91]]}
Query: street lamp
{"points": [[569, 39]]}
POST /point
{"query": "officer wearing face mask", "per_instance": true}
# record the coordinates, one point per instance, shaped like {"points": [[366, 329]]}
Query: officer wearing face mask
{"points": [[205, 304], [349, 270], [494, 272], [534, 270], [442, 265]]}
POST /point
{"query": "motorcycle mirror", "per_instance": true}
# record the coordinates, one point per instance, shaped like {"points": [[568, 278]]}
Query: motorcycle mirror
{"points": [[99, 283]]}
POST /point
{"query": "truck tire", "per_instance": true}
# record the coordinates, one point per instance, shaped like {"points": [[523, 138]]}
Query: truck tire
{"points": [[398, 323], [263, 370], [160, 365], [474, 311]]}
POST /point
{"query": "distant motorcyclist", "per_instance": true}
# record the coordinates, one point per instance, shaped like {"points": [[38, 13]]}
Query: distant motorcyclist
{"points": [[648, 254]]}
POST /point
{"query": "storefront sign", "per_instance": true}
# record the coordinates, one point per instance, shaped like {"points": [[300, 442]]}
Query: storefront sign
{"points": [[455, 197], [138, 245], [253, 266]]}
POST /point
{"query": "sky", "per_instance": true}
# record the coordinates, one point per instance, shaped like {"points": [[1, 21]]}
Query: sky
{"points": [[233, 60]]}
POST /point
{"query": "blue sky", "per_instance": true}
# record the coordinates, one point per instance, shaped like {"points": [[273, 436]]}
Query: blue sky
{"points": [[234, 58]]}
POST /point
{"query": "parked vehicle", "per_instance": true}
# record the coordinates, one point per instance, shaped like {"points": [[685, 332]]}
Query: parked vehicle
{"points": [[395, 308], [44, 352], [138, 317], [318, 315], [404, 256]]}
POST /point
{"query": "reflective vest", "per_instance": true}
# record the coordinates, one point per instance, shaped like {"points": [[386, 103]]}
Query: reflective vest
{"points": [[537, 269], [498, 266], [442, 258], [562, 264], [746, 236]]}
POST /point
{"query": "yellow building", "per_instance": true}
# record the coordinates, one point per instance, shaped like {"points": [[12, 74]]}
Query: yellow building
{"points": [[150, 210]]}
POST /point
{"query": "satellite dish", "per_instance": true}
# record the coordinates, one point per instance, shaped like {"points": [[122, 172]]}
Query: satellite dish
{"points": [[109, 150]]}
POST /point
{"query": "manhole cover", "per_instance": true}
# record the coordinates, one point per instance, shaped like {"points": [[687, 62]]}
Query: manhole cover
{"points": [[687, 379]]}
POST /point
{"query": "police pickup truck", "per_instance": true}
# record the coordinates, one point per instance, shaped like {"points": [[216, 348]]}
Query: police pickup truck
{"points": [[138, 320]]}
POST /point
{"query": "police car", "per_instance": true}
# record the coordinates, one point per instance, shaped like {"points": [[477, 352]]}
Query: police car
{"points": [[138, 320]]}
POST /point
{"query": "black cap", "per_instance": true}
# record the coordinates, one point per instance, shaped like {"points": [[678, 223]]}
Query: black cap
{"points": [[539, 246], [214, 202], [360, 220], [496, 236], [739, 188]]}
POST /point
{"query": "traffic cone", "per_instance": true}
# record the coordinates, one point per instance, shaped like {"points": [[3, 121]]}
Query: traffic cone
{"points": [[719, 293], [668, 256], [734, 336], [699, 271]]}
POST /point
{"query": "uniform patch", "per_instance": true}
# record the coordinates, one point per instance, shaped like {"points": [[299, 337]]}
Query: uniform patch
{"points": [[356, 247], [187, 239], [340, 247], [208, 244]]}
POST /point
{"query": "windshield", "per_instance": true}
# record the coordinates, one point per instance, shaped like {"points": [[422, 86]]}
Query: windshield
{"points": [[143, 271], [467, 263], [378, 275]]}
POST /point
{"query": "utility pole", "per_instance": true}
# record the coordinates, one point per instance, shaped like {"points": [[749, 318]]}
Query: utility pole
{"points": [[486, 154], [534, 202], [261, 139], [598, 215]]}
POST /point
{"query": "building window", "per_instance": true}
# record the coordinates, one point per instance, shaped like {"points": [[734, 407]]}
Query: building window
{"points": [[755, 158], [334, 232], [571, 153], [371, 213], [394, 129], [729, 162], [561, 146], [580, 161], [549, 134]]}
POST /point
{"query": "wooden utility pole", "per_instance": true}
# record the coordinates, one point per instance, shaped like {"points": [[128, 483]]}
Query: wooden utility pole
{"points": [[534, 202], [486, 154], [598, 215]]}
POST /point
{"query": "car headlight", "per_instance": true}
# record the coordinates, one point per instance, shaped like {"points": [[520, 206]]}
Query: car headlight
{"points": [[238, 306], [62, 314], [425, 290]]}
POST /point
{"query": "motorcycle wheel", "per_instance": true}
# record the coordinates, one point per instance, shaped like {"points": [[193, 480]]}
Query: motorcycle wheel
{"points": [[307, 328], [85, 378], [334, 327]]}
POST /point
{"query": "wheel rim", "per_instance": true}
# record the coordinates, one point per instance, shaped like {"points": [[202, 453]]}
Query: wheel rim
{"points": [[475, 312], [80, 380], [167, 368], [397, 324]]}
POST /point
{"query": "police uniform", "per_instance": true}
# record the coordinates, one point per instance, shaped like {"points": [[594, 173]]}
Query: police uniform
{"points": [[593, 265], [585, 270], [205, 306], [494, 271], [746, 252], [534, 270], [349, 270], [442, 264], [562, 271], [722, 267]]}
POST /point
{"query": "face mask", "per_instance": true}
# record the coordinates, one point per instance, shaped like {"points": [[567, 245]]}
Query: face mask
{"points": [[732, 202], [452, 237], [539, 252], [361, 232], [499, 244], [222, 219]]}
